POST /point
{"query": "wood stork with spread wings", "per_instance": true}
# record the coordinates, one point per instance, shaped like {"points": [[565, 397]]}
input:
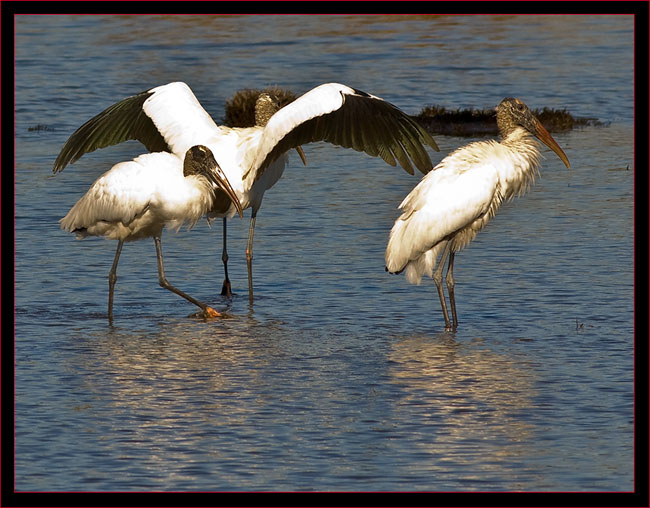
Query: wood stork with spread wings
{"points": [[170, 118], [136, 199], [452, 203]]}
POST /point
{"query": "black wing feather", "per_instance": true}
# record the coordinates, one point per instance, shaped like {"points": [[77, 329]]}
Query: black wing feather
{"points": [[120, 122], [365, 124]]}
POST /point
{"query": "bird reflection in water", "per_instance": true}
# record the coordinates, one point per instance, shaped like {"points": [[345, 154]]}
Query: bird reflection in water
{"points": [[470, 402]]}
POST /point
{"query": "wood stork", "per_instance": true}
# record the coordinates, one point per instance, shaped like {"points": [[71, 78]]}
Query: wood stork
{"points": [[136, 199], [265, 107], [452, 203], [170, 118]]}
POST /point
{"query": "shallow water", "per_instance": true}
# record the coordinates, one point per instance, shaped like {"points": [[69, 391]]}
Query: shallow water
{"points": [[340, 377]]}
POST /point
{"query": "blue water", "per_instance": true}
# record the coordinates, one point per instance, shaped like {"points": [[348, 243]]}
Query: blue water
{"points": [[340, 377]]}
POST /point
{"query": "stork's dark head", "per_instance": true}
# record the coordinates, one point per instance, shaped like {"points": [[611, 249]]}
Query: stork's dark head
{"points": [[199, 160], [513, 113], [265, 107]]}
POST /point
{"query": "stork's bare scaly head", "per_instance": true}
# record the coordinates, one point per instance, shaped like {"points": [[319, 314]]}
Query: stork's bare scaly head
{"points": [[265, 107], [513, 113], [199, 160]]}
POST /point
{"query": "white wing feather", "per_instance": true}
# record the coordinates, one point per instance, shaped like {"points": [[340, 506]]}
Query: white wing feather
{"points": [[448, 199], [319, 101], [179, 117], [135, 199]]}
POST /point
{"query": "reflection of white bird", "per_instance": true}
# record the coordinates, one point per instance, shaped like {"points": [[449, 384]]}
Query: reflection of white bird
{"points": [[136, 199], [170, 118], [452, 203]]}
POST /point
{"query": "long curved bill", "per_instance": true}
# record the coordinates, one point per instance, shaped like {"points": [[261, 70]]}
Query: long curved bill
{"points": [[302, 155], [218, 177], [544, 136]]}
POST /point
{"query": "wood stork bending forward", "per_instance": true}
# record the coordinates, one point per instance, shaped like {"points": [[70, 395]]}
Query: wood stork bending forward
{"points": [[136, 199], [170, 118], [452, 203]]}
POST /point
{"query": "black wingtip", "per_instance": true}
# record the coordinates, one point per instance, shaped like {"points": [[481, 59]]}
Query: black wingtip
{"points": [[361, 92], [120, 122], [432, 143]]}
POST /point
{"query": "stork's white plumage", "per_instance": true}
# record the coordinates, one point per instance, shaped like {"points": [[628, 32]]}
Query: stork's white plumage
{"points": [[170, 118], [452, 203], [137, 199]]}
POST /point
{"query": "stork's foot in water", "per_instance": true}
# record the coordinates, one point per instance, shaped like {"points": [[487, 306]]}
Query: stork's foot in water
{"points": [[208, 313], [226, 290]]}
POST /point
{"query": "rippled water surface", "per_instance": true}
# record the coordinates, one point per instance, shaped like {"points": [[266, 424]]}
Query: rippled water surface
{"points": [[340, 377]]}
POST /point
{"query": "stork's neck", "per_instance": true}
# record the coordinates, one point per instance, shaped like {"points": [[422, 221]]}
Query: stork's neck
{"points": [[522, 164]]}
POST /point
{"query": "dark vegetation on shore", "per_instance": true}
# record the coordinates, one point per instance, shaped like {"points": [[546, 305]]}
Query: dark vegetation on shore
{"points": [[483, 122]]}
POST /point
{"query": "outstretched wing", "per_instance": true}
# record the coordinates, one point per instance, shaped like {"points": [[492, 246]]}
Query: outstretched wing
{"points": [[349, 118], [166, 118]]}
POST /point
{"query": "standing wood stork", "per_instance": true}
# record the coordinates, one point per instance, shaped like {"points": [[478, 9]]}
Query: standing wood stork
{"points": [[136, 199], [170, 118], [265, 107], [452, 203]]}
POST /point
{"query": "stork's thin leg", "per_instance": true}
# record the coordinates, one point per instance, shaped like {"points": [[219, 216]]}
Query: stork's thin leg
{"points": [[437, 278], [226, 289], [162, 280], [249, 256], [112, 279], [450, 288]]}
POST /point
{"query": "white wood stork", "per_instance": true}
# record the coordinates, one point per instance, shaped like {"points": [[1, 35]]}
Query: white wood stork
{"points": [[136, 199], [452, 203], [170, 118]]}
